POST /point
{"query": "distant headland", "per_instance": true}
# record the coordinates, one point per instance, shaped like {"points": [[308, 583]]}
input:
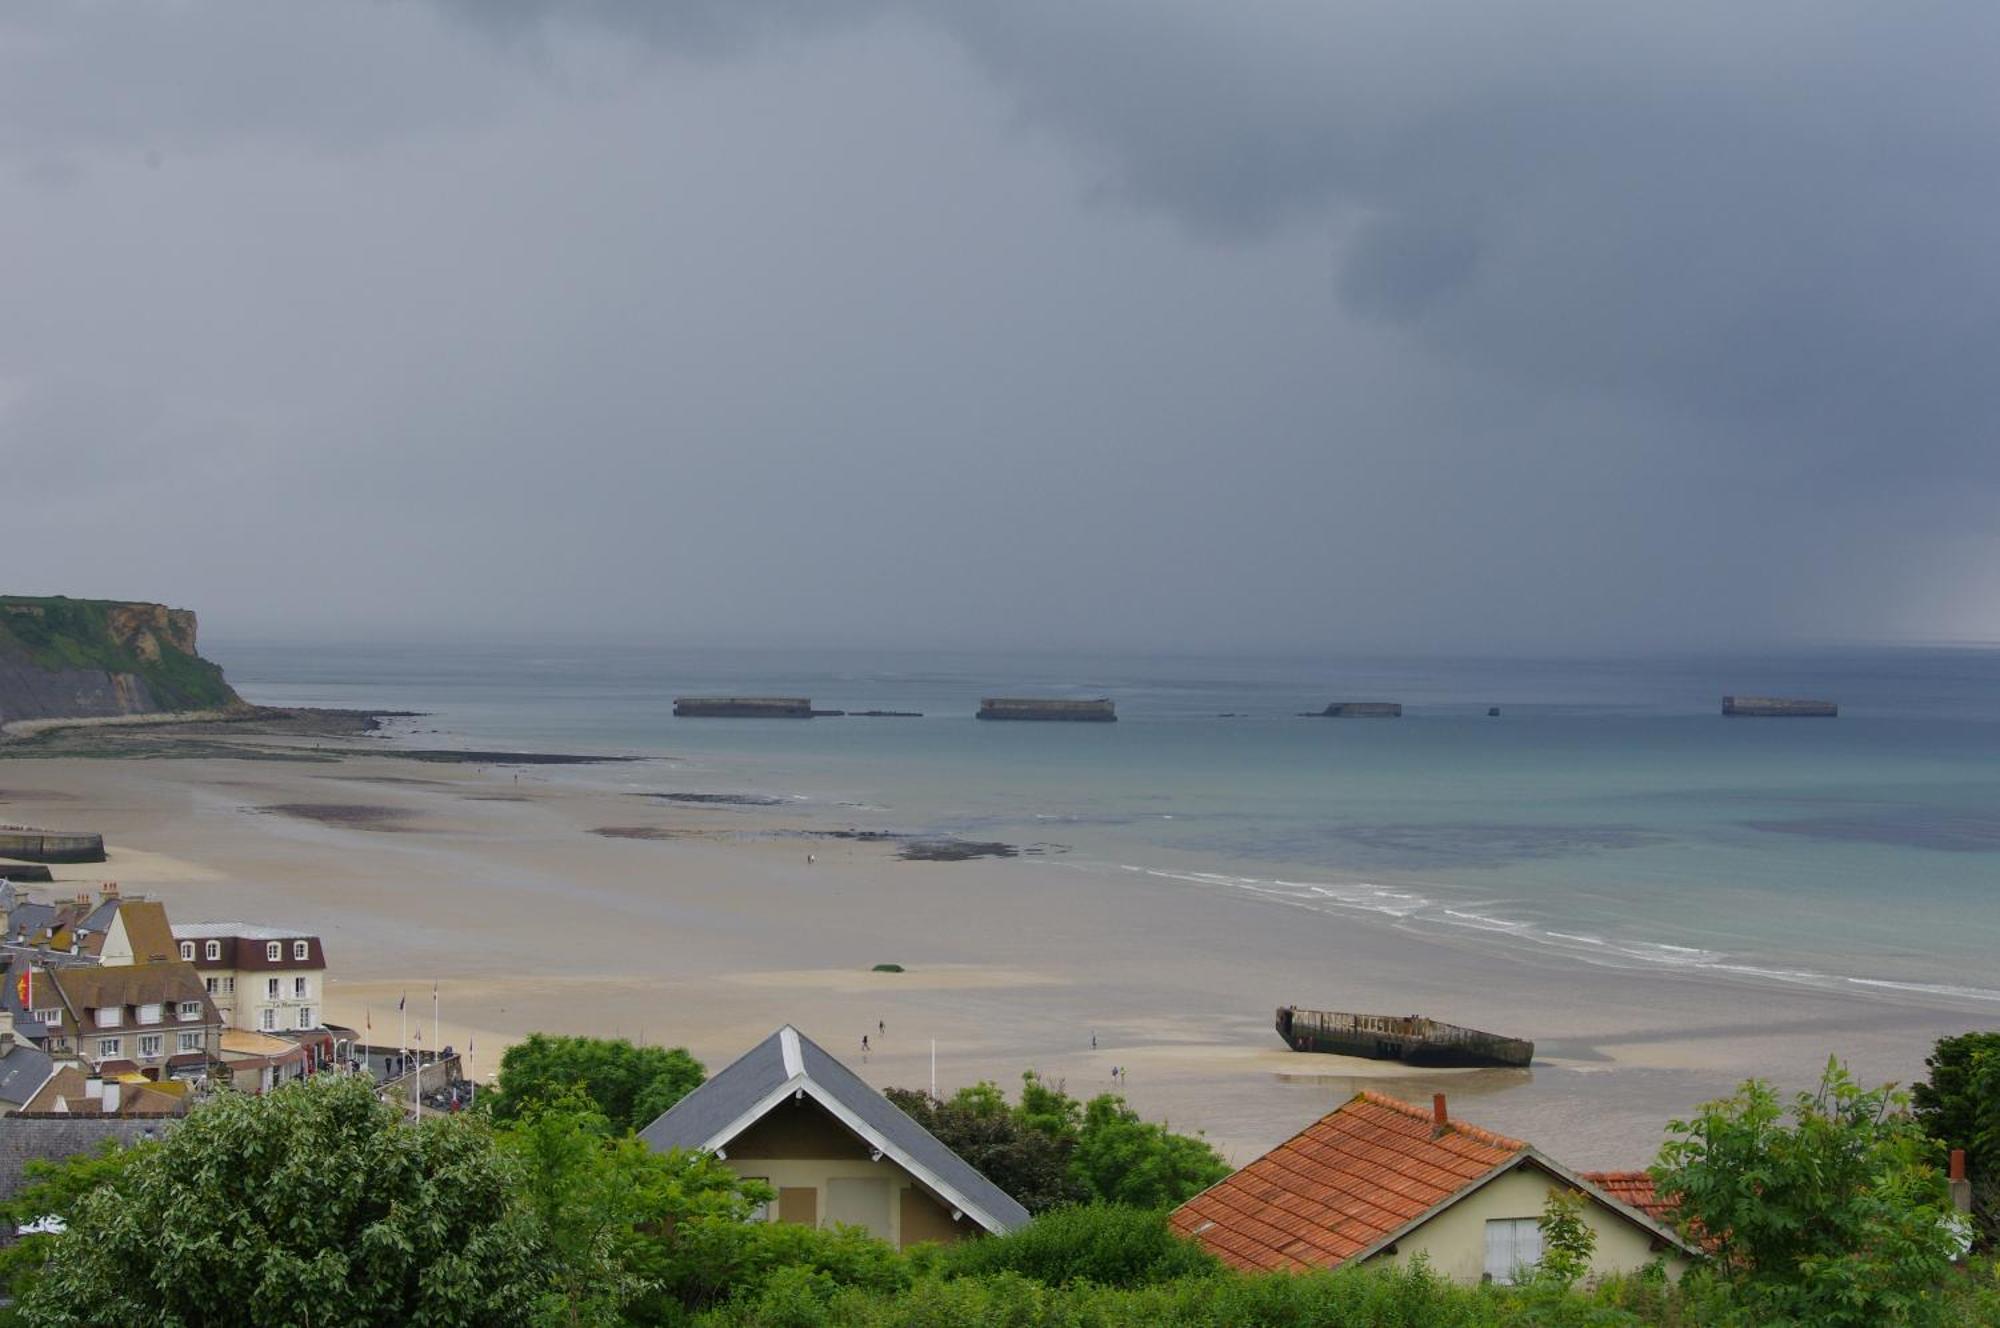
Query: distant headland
{"points": [[64, 658]]}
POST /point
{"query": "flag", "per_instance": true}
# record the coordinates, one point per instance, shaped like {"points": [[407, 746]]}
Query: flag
{"points": [[24, 987], [400, 999], [368, 1020]]}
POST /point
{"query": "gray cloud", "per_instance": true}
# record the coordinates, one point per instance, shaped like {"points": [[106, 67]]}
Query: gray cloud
{"points": [[1092, 321]]}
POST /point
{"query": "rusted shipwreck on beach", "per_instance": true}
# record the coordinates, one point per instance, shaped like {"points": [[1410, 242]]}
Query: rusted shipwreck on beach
{"points": [[1411, 1039]]}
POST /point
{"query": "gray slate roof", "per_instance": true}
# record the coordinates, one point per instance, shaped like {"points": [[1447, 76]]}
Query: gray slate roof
{"points": [[703, 1119], [23, 1070], [57, 1138]]}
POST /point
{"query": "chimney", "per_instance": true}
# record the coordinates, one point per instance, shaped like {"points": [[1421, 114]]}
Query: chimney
{"points": [[1961, 1187], [107, 890], [112, 1091], [1440, 1121], [93, 1089]]}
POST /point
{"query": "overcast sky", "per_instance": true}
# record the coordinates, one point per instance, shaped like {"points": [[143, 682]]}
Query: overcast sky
{"points": [[1055, 323]]}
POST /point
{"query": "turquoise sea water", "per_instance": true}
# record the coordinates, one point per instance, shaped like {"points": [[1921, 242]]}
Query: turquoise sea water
{"points": [[1609, 813]]}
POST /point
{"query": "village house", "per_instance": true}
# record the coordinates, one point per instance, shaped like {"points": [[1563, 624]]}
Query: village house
{"points": [[835, 1150], [262, 979], [1379, 1179], [152, 1019]]}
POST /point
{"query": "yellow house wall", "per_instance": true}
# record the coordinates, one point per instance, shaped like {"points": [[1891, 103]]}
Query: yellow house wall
{"points": [[1454, 1241], [784, 1172]]}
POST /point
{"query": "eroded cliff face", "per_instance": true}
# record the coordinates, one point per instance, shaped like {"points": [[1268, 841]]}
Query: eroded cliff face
{"points": [[66, 658]]}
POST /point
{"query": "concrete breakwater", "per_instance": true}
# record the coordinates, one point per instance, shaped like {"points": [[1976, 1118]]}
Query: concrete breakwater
{"points": [[1358, 710], [1098, 711], [32, 845], [743, 707], [1778, 707]]}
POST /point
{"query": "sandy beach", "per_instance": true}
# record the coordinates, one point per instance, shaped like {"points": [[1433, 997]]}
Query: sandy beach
{"points": [[706, 926]]}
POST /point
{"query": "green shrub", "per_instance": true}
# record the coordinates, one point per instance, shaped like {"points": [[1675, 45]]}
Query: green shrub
{"points": [[1108, 1244], [886, 968]]}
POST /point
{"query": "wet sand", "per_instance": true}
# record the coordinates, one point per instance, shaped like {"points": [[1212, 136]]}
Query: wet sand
{"points": [[537, 900]]}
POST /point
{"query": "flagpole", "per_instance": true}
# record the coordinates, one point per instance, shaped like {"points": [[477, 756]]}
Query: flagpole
{"points": [[933, 1069]]}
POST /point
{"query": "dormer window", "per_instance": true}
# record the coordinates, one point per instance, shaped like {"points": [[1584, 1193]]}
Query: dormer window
{"points": [[187, 951], [274, 952], [110, 1016], [300, 950], [213, 950]]}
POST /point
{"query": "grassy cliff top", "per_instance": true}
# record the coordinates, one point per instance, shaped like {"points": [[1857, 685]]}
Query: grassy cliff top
{"points": [[149, 641]]}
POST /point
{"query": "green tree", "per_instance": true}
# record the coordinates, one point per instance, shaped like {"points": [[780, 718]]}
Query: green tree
{"points": [[1121, 1159], [998, 1144], [629, 1085], [1833, 1217], [1567, 1240], [50, 1199], [1959, 1107], [610, 1211], [315, 1203]]}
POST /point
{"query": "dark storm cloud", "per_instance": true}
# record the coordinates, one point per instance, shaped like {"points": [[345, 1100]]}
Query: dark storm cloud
{"points": [[1527, 324]]}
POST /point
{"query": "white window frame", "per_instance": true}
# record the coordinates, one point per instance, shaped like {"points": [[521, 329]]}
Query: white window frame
{"points": [[108, 1016], [301, 950], [270, 989], [269, 1019], [108, 1048], [274, 951], [305, 1016], [191, 1041], [190, 1010], [301, 991], [229, 986], [151, 1046], [51, 1018], [187, 951], [213, 950], [152, 1012], [1513, 1246]]}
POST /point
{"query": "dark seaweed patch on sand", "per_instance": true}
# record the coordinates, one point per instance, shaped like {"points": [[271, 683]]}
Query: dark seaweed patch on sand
{"points": [[954, 850], [638, 832], [348, 815]]}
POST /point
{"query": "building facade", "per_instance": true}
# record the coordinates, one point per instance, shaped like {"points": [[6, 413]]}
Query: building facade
{"points": [[154, 1019], [261, 979]]}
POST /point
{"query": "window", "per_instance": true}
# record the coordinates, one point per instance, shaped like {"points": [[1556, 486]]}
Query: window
{"points": [[305, 1016], [190, 1009], [187, 951], [151, 1013], [150, 1044], [213, 986], [229, 986], [1513, 1244], [110, 1016], [53, 1018], [190, 1042], [213, 950], [269, 1020], [271, 988], [299, 991], [274, 952], [109, 1047], [301, 950]]}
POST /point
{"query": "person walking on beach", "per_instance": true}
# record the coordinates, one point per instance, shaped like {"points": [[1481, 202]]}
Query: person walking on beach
{"points": [[864, 1044], [880, 1028], [1093, 1039]]}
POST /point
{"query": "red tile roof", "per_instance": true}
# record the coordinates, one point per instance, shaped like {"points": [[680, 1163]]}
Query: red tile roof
{"points": [[1634, 1189], [1341, 1185]]}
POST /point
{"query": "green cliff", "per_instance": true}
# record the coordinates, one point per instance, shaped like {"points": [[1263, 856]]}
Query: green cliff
{"points": [[66, 658]]}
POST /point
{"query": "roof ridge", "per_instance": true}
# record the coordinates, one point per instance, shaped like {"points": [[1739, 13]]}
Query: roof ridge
{"points": [[1477, 1133]]}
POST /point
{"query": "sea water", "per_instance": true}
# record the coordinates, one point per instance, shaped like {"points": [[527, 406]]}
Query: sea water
{"points": [[1609, 813]]}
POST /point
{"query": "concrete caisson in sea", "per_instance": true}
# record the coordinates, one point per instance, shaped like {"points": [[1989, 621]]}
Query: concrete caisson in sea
{"points": [[32, 845], [1411, 1039], [1778, 707], [1358, 710], [1099, 711], [743, 707]]}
